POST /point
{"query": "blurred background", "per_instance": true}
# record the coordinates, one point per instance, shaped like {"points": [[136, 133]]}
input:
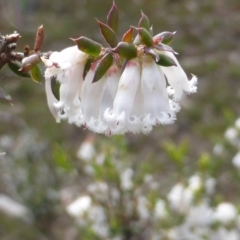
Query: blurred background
{"points": [[41, 172]]}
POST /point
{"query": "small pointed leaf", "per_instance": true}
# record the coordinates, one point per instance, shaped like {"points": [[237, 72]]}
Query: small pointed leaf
{"points": [[164, 37], [108, 34], [144, 22], [151, 51], [36, 74], [126, 50], [146, 37], [128, 36], [87, 66], [112, 18], [15, 67], [163, 47], [102, 66], [88, 46], [166, 61]]}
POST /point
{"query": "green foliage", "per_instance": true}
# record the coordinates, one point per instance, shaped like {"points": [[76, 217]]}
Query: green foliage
{"points": [[61, 159]]}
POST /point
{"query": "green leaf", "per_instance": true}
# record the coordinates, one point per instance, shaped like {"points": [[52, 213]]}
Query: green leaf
{"points": [[164, 37], [36, 74], [126, 50], [112, 18], [128, 36], [15, 67], [61, 159], [165, 61], [102, 66], [87, 66], [144, 22], [108, 34], [88, 46], [146, 37]]}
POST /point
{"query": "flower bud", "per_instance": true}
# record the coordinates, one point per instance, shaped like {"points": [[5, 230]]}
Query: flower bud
{"points": [[145, 37], [88, 46], [126, 50]]}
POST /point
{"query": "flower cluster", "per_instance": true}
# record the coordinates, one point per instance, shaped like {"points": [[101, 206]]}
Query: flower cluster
{"points": [[129, 87]]}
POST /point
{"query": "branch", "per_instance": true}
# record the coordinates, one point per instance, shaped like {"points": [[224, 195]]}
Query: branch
{"points": [[8, 44]]}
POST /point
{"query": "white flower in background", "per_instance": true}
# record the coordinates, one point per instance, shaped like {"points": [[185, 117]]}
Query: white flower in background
{"points": [[86, 150], [80, 206], [218, 149], [97, 217], [14, 209], [200, 215], [99, 190], [231, 135], [236, 161], [67, 68], [237, 123], [142, 207], [225, 213], [180, 198], [195, 183], [160, 210], [126, 179], [224, 234], [210, 185]]}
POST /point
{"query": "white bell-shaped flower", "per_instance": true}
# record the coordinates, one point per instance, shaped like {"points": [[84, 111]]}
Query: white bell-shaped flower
{"points": [[120, 115], [132, 101], [67, 68], [97, 97], [177, 78], [155, 98]]}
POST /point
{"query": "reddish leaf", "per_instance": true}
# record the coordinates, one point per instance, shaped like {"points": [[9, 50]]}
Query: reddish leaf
{"points": [[128, 36], [112, 18]]}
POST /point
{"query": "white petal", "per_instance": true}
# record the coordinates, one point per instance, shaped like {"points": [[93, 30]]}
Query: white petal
{"points": [[92, 94], [124, 100], [51, 100], [177, 78], [155, 97]]}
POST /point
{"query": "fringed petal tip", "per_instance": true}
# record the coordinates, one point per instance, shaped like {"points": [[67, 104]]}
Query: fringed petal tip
{"points": [[167, 118], [192, 85], [174, 106]]}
